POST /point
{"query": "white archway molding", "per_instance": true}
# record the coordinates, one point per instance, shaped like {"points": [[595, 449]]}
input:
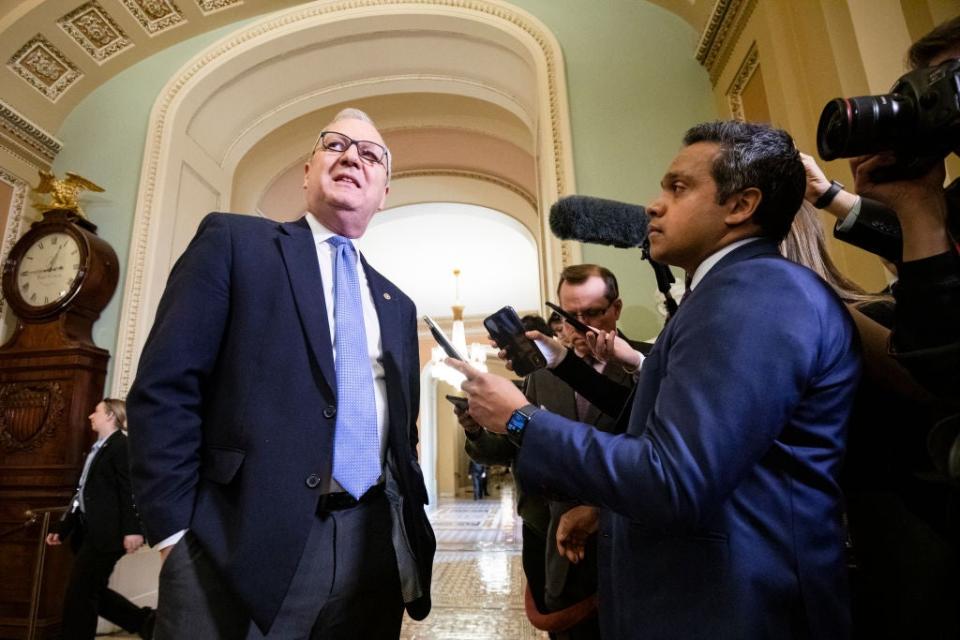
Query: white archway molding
{"points": [[465, 187], [14, 228], [209, 112]]}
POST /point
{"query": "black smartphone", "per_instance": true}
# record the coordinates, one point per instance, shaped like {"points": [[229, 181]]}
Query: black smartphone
{"points": [[442, 339], [507, 331], [457, 401], [571, 319]]}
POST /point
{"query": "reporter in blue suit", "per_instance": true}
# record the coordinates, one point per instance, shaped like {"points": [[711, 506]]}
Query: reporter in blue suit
{"points": [[721, 511], [276, 403]]}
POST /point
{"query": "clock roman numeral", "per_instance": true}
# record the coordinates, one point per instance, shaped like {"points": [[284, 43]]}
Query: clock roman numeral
{"points": [[46, 299], [25, 287], [53, 240], [33, 297], [40, 244]]}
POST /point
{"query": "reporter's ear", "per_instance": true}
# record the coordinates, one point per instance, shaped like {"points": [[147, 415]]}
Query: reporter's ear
{"points": [[744, 204]]}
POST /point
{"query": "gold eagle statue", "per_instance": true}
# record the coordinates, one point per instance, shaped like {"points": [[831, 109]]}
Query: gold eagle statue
{"points": [[63, 192]]}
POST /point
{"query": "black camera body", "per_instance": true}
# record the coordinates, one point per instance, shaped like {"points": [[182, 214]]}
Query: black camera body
{"points": [[919, 120]]}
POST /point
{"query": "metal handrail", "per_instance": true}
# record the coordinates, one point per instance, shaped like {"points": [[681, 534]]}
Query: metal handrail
{"points": [[32, 516], [29, 523]]}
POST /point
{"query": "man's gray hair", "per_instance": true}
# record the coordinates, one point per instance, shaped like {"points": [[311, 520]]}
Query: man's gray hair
{"points": [[351, 113]]}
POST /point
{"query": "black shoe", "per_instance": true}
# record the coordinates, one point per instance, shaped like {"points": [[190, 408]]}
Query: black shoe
{"points": [[149, 621]]}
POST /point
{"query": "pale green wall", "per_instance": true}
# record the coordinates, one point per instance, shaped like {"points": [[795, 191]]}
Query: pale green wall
{"points": [[634, 87], [103, 140]]}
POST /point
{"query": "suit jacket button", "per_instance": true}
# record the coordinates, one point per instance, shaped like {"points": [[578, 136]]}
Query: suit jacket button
{"points": [[313, 481], [330, 411]]}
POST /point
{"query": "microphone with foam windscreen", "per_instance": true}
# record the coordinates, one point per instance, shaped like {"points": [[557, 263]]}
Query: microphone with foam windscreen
{"points": [[599, 221], [613, 223]]}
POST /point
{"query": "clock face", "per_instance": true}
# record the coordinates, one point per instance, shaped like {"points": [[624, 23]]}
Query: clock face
{"points": [[49, 269]]}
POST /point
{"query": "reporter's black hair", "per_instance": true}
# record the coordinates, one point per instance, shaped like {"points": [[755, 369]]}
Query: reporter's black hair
{"points": [[759, 156]]}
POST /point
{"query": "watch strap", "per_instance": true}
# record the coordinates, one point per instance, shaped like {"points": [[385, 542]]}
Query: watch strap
{"points": [[827, 197]]}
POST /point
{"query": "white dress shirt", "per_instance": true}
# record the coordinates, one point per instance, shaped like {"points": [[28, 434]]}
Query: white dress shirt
{"points": [[711, 261]]}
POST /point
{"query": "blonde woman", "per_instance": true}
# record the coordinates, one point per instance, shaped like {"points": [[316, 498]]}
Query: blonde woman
{"points": [[102, 525]]}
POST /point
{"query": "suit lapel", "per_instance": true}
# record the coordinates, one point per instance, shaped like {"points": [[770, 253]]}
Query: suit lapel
{"points": [[387, 301], [102, 451], [655, 366], [303, 270]]}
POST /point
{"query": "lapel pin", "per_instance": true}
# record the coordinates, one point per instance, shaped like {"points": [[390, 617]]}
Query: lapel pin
{"points": [[386, 296]]}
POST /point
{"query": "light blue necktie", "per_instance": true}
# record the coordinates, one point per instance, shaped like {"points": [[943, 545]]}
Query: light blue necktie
{"points": [[356, 441]]}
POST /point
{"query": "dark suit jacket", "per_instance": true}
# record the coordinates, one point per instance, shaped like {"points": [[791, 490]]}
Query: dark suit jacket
{"points": [[877, 229], [926, 332], [110, 513], [566, 585], [722, 515], [235, 404]]}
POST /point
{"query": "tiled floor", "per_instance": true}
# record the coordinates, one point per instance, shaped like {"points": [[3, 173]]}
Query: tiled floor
{"points": [[478, 582]]}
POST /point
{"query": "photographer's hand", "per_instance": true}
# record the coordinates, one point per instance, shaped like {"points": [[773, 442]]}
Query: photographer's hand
{"points": [[920, 204], [817, 185]]}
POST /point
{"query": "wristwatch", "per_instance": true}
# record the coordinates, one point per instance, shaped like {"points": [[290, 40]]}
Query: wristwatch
{"points": [[828, 195], [518, 422]]}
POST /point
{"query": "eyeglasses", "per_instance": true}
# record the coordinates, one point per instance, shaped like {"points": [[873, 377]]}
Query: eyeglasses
{"points": [[368, 151], [590, 314]]}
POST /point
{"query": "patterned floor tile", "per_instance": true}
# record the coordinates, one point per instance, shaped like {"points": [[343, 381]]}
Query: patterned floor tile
{"points": [[478, 581]]}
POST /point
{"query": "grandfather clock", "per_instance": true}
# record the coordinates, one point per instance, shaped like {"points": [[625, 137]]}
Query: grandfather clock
{"points": [[56, 280]]}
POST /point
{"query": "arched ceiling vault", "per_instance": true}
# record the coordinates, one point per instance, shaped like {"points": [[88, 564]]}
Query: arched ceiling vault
{"points": [[56, 53]]}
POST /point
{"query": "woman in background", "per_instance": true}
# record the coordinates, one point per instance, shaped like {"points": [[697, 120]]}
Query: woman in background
{"points": [[102, 525]]}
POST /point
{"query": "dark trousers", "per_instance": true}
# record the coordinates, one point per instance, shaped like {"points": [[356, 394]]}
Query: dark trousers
{"points": [[346, 586], [87, 596], [533, 558]]}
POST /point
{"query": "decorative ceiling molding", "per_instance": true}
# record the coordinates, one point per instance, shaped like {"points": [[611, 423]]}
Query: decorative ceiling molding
{"points": [[735, 93], [28, 134], [155, 16], [95, 31], [472, 175], [44, 67], [212, 6], [721, 33]]}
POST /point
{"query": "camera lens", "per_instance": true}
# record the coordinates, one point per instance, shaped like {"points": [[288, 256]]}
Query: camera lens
{"points": [[856, 126]]}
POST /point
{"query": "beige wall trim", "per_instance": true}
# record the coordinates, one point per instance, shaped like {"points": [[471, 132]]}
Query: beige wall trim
{"points": [[472, 175], [175, 104], [735, 93], [724, 27], [14, 226], [15, 151], [29, 134]]}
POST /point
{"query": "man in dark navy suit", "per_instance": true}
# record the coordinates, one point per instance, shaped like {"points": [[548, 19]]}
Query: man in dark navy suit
{"points": [[276, 401], [721, 510]]}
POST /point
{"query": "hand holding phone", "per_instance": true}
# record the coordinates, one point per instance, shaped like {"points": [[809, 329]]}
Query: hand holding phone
{"points": [[457, 401], [571, 319], [508, 332]]}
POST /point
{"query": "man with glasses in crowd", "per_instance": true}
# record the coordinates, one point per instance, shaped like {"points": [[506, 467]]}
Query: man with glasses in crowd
{"points": [[274, 454], [563, 591]]}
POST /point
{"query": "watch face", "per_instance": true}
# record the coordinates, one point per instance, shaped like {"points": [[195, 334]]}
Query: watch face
{"points": [[49, 269]]}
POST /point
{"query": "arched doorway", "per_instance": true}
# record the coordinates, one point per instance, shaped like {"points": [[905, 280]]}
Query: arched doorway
{"points": [[235, 94]]}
